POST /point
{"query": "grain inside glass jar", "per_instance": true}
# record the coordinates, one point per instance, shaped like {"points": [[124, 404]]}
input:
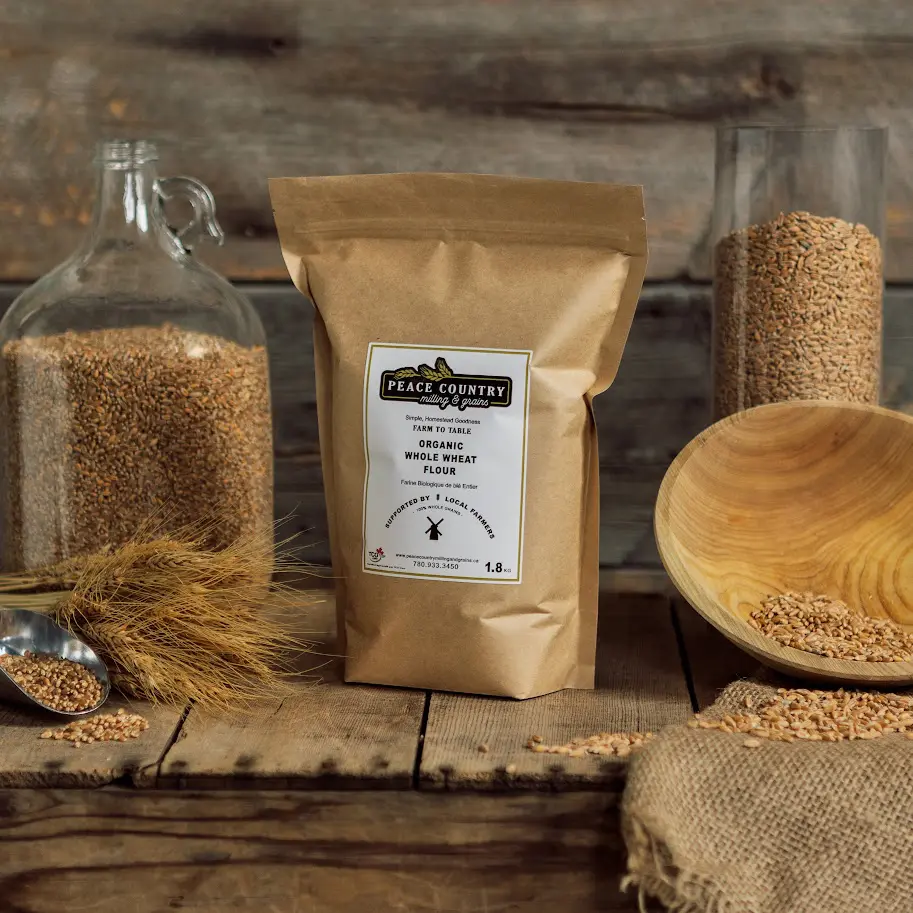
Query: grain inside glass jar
{"points": [[107, 429], [797, 313]]}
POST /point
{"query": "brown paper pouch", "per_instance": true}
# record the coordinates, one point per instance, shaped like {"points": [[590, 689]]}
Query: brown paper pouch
{"points": [[464, 323]]}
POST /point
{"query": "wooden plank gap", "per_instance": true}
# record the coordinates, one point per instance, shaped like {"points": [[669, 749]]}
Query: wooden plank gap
{"points": [[420, 748], [28, 761], [714, 661], [148, 775], [480, 743], [323, 734], [683, 656]]}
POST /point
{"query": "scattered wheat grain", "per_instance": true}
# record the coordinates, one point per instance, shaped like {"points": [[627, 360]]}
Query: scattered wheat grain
{"points": [[106, 727], [826, 716], [827, 627], [613, 744]]}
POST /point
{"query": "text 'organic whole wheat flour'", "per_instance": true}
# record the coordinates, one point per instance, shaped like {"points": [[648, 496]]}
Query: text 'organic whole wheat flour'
{"points": [[464, 324]]}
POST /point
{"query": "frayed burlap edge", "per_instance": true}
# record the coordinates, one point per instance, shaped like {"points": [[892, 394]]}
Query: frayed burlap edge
{"points": [[666, 864], [651, 872]]}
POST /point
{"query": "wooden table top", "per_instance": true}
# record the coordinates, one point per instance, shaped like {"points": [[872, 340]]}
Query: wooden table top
{"points": [[339, 777]]}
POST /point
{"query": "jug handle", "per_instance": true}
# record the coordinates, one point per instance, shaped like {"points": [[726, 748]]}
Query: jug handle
{"points": [[204, 225]]}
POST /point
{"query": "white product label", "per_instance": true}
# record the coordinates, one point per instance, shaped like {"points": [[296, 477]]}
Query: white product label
{"points": [[445, 446]]}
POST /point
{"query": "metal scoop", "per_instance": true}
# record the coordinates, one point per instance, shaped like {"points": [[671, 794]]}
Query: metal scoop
{"points": [[21, 631]]}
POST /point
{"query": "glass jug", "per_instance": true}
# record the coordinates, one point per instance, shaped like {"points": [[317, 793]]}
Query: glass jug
{"points": [[798, 276], [134, 384]]}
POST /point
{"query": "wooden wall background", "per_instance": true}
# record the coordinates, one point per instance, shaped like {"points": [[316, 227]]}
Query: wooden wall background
{"points": [[625, 90]]}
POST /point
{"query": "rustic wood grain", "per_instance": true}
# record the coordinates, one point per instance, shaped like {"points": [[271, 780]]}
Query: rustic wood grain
{"points": [[711, 661], [113, 850], [325, 733], [640, 686], [659, 401], [802, 474], [29, 761], [239, 91]]}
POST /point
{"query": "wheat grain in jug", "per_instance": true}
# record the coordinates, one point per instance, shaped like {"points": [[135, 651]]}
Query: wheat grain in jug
{"points": [[464, 324]]}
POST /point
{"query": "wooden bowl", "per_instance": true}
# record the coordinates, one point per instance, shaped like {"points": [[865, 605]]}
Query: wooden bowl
{"points": [[807, 496]]}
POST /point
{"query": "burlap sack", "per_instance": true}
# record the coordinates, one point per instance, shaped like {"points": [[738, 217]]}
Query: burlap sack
{"points": [[803, 827]]}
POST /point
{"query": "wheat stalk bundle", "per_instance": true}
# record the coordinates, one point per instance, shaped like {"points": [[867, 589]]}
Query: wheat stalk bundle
{"points": [[176, 621]]}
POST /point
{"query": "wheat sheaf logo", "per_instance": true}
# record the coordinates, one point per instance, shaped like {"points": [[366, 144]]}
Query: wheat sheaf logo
{"points": [[440, 370], [441, 386]]}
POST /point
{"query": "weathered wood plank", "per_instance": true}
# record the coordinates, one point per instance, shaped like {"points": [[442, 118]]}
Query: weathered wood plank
{"points": [[640, 687], [711, 661], [29, 761], [112, 850], [324, 734], [659, 401], [583, 89]]}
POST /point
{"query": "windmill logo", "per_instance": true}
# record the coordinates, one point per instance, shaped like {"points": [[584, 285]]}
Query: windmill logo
{"points": [[434, 529], [376, 555]]}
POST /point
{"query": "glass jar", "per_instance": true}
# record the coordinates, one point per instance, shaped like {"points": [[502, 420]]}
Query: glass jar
{"points": [[134, 384], [798, 234]]}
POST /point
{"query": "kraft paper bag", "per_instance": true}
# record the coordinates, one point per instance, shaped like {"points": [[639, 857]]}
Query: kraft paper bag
{"points": [[464, 324]]}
